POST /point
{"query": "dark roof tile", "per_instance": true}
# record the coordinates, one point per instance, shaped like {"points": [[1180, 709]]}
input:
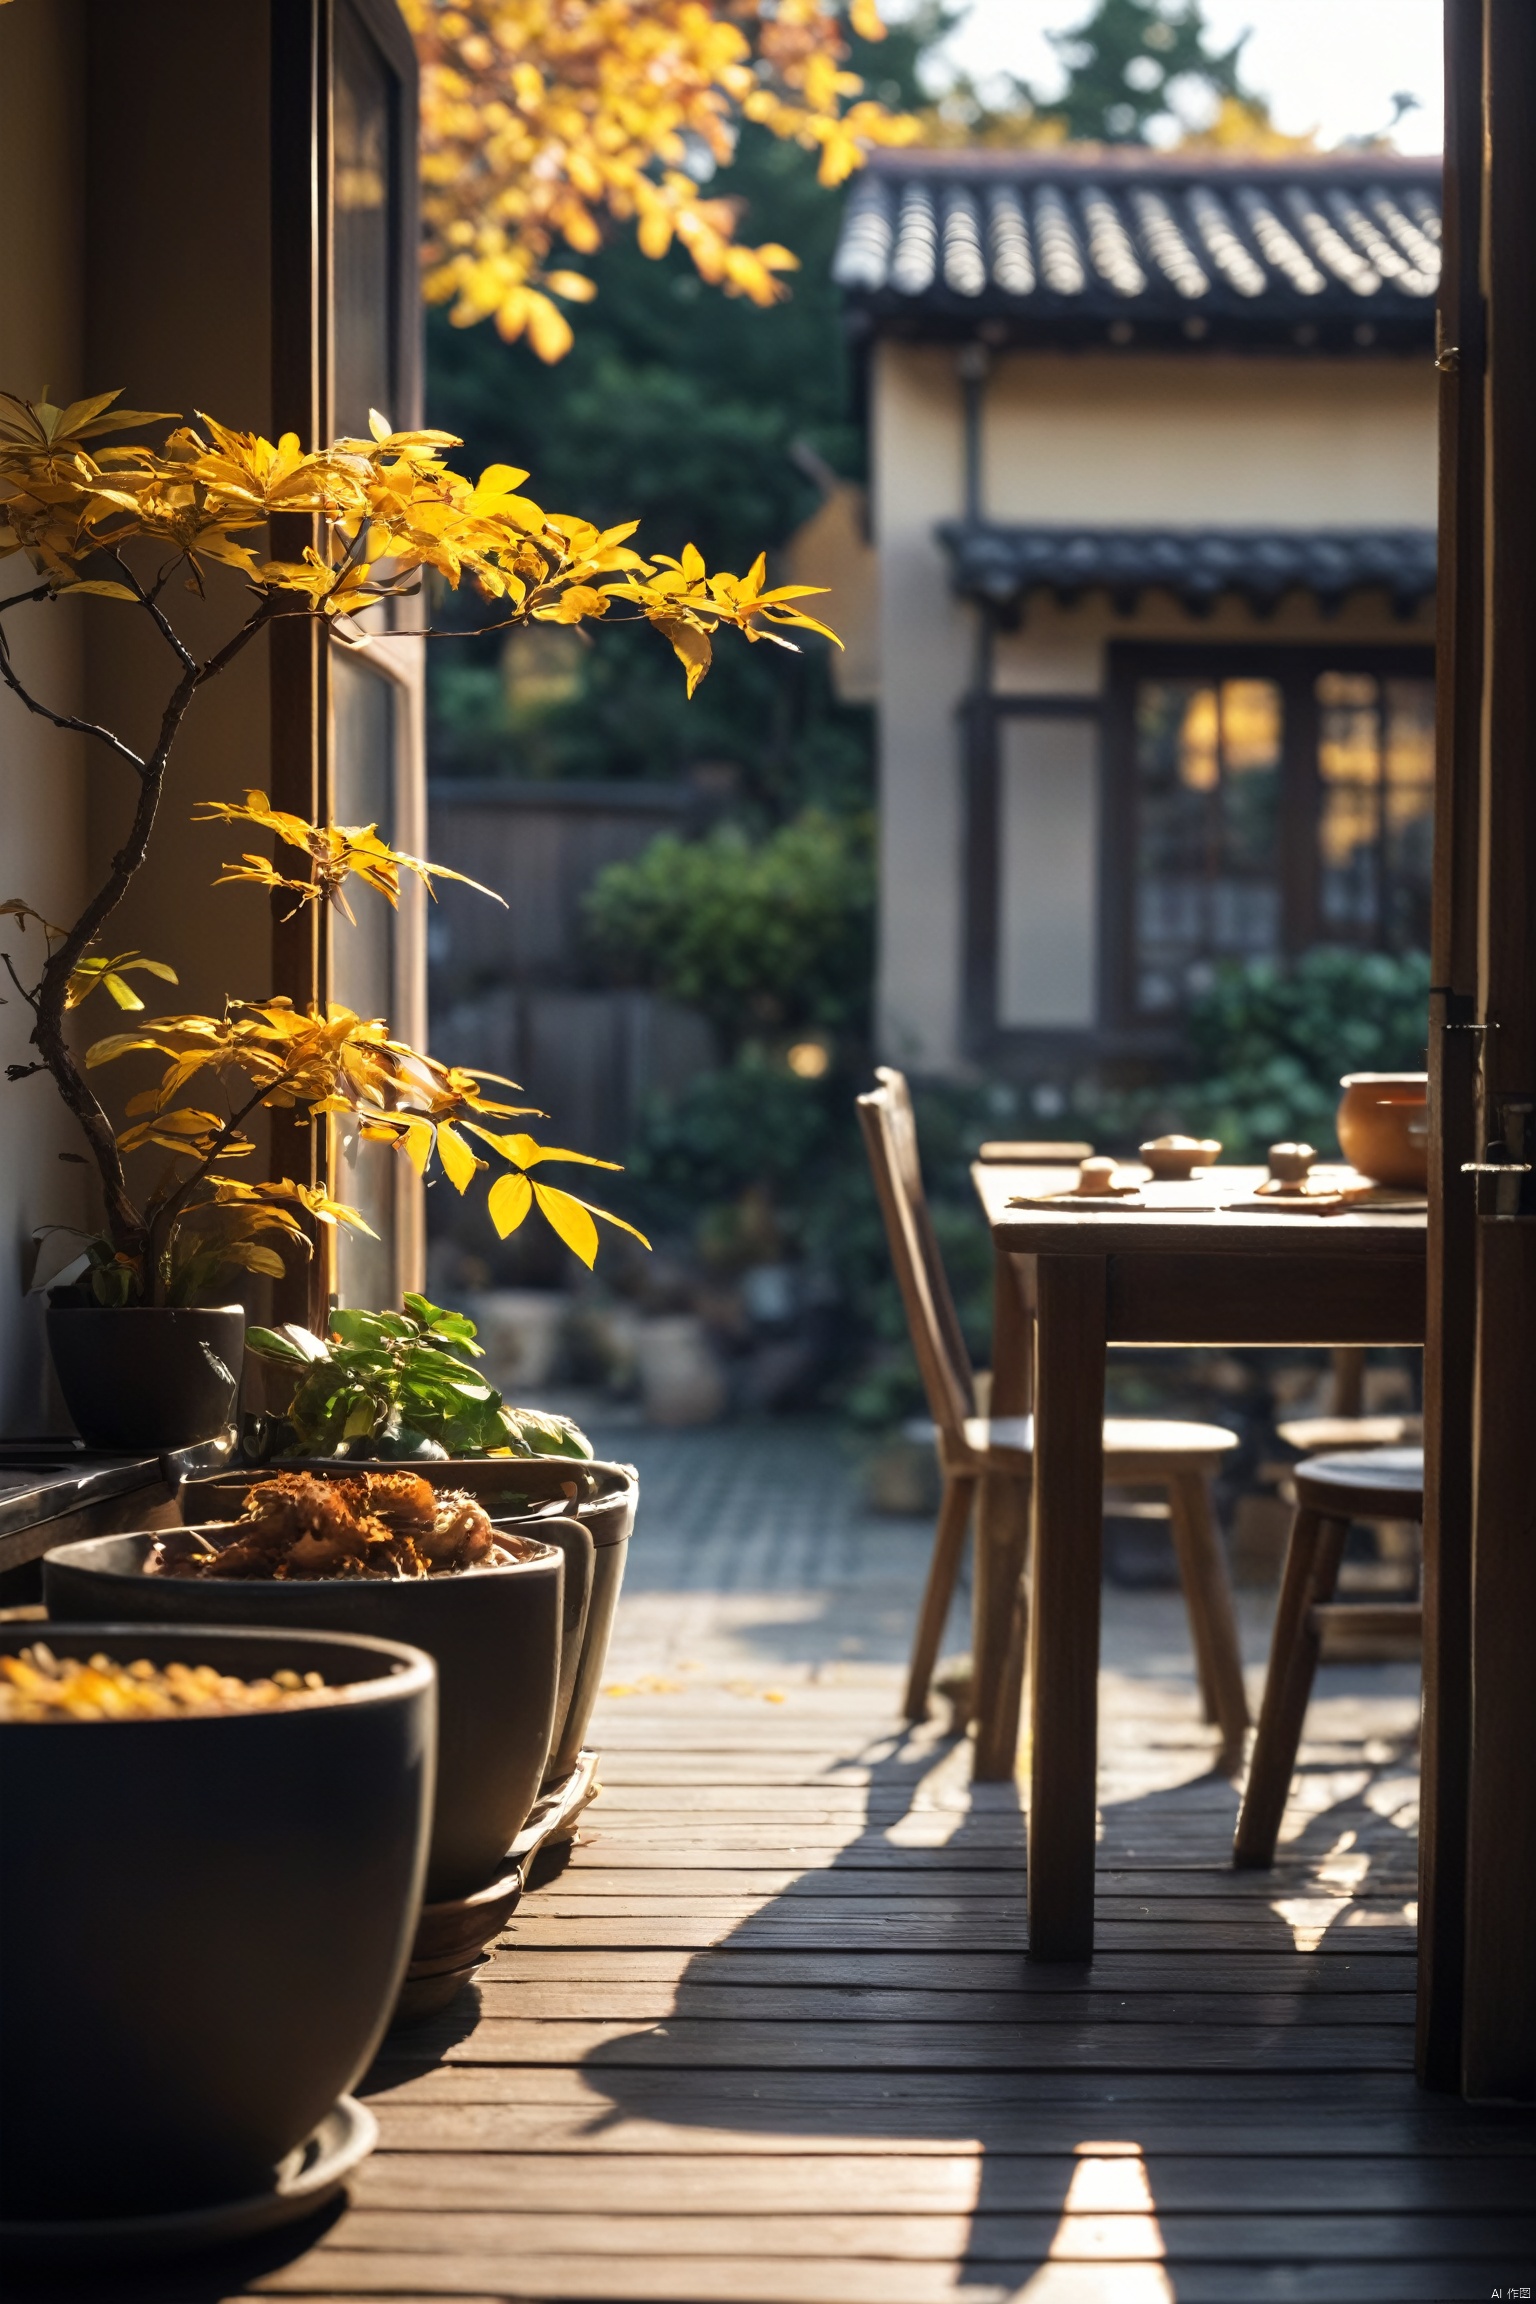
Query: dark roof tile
{"points": [[1069, 247], [1000, 565]]}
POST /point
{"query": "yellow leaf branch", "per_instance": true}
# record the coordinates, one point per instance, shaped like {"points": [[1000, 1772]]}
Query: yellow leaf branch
{"points": [[542, 121]]}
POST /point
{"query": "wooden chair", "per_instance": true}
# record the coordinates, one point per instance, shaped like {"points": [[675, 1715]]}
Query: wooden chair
{"points": [[975, 1449], [1344, 1423], [1331, 1491]]}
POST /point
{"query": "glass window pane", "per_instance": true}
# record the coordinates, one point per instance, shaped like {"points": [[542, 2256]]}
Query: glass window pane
{"points": [[1208, 756], [1349, 820], [363, 739], [364, 236], [1410, 808]]}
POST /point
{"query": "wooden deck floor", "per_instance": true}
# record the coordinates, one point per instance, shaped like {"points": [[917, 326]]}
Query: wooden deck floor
{"points": [[769, 2039]]}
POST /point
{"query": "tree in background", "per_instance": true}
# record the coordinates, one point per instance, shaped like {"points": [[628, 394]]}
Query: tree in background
{"points": [[543, 120], [694, 411], [1137, 72], [1128, 66]]}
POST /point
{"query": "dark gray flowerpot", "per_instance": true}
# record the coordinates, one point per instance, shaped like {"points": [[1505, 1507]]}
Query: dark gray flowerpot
{"points": [[148, 1376], [205, 1920], [511, 1488], [494, 1635]]}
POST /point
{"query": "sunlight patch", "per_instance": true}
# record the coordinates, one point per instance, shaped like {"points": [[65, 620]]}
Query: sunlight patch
{"points": [[1315, 1791], [1309, 1917], [1084, 2284], [1109, 2217], [1396, 1798], [1345, 1866]]}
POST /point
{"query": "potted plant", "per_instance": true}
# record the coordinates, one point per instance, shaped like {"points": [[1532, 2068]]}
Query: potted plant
{"points": [[392, 1385], [207, 1899], [389, 1558], [520, 1648], [121, 522]]}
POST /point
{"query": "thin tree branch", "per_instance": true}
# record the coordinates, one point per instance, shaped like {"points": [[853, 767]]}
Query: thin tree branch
{"points": [[150, 601], [19, 599], [64, 720], [126, 1225], [29, 997]]}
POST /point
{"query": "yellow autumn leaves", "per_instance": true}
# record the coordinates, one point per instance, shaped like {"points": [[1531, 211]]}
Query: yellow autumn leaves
{"points": [[274, 1055], [388, 508], [542, 117], [120, 519]]}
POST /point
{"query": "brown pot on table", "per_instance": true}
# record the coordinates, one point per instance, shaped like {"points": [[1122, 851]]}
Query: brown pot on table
{"points": [[1383, 1126]]}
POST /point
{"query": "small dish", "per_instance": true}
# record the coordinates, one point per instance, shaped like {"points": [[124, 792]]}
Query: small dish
{"points": [[1174, 1159]]}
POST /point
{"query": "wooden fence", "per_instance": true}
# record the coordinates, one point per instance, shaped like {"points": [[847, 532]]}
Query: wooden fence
{"points": [[513, 990]]}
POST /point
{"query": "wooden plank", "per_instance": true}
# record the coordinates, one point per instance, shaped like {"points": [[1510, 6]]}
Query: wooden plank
{"points": [[678, 2182], [1360, 1968], [417, 2119], [920, 1876], [524, 2237], [980, 1901], [869, 1931], [509, 1996], [364, 2277], [1300, 1298], [685, 2043], [1205, 1858]]}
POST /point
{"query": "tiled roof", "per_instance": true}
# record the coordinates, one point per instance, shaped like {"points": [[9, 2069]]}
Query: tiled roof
{"points": [[1000, 565], [1337, 253]]}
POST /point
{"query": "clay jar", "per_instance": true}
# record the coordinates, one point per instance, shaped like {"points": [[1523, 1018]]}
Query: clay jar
{"points": [[1383, 1126]]}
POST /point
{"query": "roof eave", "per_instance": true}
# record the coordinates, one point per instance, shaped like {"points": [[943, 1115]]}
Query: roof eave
{"points": [[944, 318]]}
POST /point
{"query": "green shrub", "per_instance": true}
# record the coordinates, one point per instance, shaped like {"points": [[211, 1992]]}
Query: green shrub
{"points": [[1270, 1044], [763, 937]]}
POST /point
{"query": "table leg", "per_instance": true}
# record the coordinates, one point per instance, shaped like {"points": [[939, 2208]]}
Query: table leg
{"points": [[1002, 1541], [1002, 1535], [1064, 1615]]}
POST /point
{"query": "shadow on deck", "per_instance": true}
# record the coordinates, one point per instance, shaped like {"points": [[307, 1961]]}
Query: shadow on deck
{"points": [[770, 2038]]}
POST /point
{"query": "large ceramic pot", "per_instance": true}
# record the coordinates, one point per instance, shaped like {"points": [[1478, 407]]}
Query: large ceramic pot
{"points": [[519, 1492], [205, 1921], [1383, 1125], [148, 1376], [494, 1634]]}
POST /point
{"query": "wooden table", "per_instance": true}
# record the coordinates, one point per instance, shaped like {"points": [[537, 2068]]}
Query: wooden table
{"points": [[1166, 1275]]}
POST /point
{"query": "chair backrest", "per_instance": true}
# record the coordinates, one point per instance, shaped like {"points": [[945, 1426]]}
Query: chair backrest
{"points": [[890, 1138]]}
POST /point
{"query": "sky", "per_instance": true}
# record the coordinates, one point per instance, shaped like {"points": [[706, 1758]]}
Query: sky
{"points": [[1329, 65]]}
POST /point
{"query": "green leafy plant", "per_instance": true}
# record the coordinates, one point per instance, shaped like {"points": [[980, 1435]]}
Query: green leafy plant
{"points": [[402, 1384], [1270, 1044], [763, 937]]}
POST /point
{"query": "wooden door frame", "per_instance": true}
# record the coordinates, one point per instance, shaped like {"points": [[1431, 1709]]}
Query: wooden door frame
{"points": [[303, 366], [1477, 1979]]}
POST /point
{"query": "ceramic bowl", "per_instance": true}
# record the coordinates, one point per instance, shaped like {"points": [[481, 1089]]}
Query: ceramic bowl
{"points": [[1174, 1159], [1383, 1125]]}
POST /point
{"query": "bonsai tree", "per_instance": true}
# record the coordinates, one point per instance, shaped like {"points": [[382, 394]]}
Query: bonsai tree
{"points": [[120, 522]]}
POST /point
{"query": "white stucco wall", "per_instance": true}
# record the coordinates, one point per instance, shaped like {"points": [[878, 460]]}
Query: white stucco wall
{"points": [[1217, 441], [42, 807], [925, 636], [1289, 443]]}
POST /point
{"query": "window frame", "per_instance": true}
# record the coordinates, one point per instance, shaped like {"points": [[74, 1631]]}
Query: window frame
{"points": [[1294, 668], [987, 1038], [304, 39]]}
